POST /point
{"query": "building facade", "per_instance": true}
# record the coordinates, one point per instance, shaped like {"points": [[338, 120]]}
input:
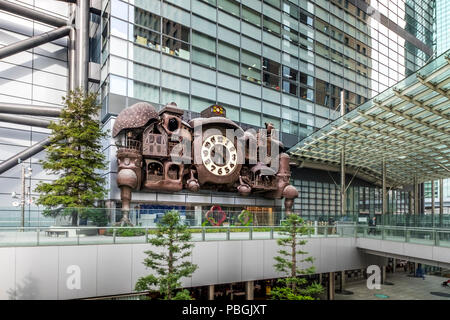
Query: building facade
{"points": [[38, 76], [277, 61]]}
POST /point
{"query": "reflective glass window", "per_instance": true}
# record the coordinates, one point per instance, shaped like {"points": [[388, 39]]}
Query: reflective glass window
{"points": [[228, 66], [147, 19], [175, 30], [204, 42], [175, 48], [203, 57], [290, 73], [251, 16], [271, 81], [271, 66], [229, 6], [289, 87], [146, 37]]}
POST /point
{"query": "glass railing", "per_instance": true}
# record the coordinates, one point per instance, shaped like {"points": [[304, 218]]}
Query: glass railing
{"points": [[12, 217], [52, 236]]}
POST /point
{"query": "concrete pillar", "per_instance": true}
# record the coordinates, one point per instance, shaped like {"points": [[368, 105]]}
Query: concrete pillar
{"points": [[383, 274], [211, 292], [249, 290], [394, 266], [331, 286]]}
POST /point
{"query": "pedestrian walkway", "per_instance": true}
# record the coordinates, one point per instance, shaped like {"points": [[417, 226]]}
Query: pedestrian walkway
{"points": [[404, 288]]}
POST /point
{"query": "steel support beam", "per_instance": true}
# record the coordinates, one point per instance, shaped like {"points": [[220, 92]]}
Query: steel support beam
{"points": [[416, 196], [441, 203], [384, 186], [72, 59], [24, 155], [32, 14], [331, 285], [24, 120], [82, 43], [411, 203], [343, 189], [432, 202], [29, 109], [34, 41]]}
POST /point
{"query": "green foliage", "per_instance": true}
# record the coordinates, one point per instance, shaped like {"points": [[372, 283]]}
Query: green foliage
{"points": [[245, 218], [292, 287], [75, 156], [96, 215], [126, 232], [171, 263]]}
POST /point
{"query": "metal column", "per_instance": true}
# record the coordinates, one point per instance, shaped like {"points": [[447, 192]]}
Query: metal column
{"points": [[331, 286], [211, 292], [432, 202], [34, 41], [32, 14], [416, 196], [25, 121], [249, 290], [411, 205], [441, 203], [82, 43], [29, 152], [384, 200], [72, 60], [28, 109], [343, 193]]}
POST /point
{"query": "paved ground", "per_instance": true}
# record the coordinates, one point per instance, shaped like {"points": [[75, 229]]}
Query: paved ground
{"points": [[404, 288]]}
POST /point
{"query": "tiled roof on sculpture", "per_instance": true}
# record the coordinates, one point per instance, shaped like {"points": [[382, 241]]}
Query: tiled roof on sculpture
{"points": [[136, 116]]}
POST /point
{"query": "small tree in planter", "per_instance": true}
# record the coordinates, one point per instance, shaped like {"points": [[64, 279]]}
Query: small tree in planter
{"points": [[170, 265], [292, 287]]}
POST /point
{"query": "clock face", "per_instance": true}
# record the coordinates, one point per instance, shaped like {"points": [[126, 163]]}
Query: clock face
{"points": [[219, 155]]}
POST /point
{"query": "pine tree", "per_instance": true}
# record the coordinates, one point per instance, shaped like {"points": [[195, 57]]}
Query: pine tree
{"points": [[75, 156], [170, 265], [292, 287]]}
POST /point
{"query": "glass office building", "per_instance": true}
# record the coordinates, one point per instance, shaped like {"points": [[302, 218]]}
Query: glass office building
{"points": [[442, 26], [275, 61], [442, 43], [37, 76]]}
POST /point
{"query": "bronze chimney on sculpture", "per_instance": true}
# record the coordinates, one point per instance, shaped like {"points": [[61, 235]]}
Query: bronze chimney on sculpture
{"points": [[161, 152]]}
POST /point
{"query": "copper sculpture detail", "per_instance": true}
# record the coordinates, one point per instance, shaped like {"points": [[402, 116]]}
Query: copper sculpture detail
{"points": [[159, 151]]}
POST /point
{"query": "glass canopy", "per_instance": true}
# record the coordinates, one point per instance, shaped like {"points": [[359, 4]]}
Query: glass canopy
{"points": [[407, 125]]}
